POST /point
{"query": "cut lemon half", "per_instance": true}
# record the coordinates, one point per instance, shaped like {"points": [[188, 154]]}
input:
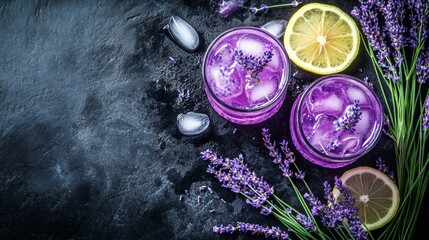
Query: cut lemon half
{"points": [[376, 195], [321, 39]]}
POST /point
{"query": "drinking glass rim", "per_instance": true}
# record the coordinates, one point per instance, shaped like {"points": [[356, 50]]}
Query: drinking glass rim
{"points": [[286, 74], [355, 155]]}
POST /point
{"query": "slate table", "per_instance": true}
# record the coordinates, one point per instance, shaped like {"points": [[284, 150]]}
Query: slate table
{"points": [[89, 147]]}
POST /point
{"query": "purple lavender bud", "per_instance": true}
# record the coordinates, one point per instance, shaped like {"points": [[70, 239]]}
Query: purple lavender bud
{"points": [[253, 10], [425, 119], [186, 192], [422, 67], [266, 210], [180, 197], [381, 165], [300, 175], [172, 60], [295, 3], [264, 8], [306, 222]]}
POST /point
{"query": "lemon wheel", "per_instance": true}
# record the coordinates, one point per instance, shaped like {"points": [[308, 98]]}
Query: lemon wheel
{"points": [[321, 39], [376, 195]]}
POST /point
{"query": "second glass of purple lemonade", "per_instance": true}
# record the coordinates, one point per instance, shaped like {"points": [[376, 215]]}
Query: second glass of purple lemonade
{"points": [[246, 73], [336, 120]]}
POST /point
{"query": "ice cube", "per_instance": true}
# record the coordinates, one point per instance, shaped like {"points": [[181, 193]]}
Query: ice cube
{"points": [[274, 63], [191, 123], [351, 144], [275, 27], [364, 124], [263, 91], [225, 82], [183, 33], [332, 104], [251, 46], [225, 56], [354, 93]]}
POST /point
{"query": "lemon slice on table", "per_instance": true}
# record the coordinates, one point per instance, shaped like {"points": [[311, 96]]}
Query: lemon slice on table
{"points": [[376, 195], [321, 39]]}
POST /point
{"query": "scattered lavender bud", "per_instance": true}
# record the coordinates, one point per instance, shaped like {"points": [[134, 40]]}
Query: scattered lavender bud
{"points": [[180, 197], [198, 199], [234, 130], [172, 60], [210, 190], [222, 200], [202, 188], [183, 95], [212, 211], [186, 192], [360, 70]]}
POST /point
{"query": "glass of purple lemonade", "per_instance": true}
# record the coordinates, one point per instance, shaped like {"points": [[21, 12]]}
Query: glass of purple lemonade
{"points": [[336, 120], [246, 73]]}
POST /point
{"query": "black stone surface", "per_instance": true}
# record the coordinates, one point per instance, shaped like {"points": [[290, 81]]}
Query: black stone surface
{"points": [[88, 142]]}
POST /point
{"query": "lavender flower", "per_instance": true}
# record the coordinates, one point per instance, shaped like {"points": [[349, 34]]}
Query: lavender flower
{"points": [[348, 120], [382, 166], [418, 10], [368, 17], [253, 64], [394, 13], [284, 162], [225, 8], [425, 119], [264, 8], [306, 222], [368, 83], [254, 229], [334, 145], [422, 67], [236, 176], [334, 212]]}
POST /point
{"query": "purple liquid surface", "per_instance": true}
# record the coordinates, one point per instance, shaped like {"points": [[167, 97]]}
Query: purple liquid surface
{"points": [[325, 103], [227, 78]]}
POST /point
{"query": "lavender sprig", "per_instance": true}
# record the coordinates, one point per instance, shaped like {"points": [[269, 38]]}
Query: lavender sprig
{"points": [[283, 162], [254, 229], [349, 119], [236, 176], [264, 8], [225, 8], [253, 64], [335, 212]]}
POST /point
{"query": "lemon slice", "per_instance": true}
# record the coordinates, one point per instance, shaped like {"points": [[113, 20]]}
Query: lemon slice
{"points": [[376, 195], [321, 39]]}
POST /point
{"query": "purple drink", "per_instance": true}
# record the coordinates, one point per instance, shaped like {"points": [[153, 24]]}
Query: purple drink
{"points": [[246, 72], [336, 120]]}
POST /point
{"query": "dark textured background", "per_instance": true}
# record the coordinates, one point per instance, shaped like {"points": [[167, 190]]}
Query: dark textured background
{"points": [[88, 142]]}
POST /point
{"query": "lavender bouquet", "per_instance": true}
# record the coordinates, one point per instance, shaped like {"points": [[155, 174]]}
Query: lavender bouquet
{"points": [[335, 219], [394, 33]]}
